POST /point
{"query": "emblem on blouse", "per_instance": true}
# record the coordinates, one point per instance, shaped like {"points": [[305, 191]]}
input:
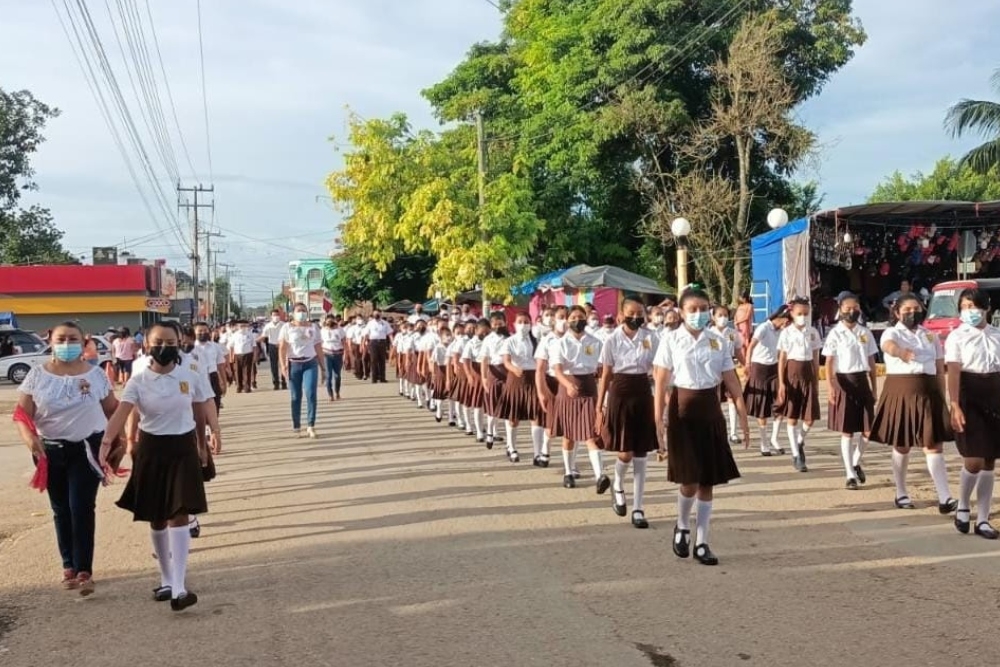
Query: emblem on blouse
{"points": [[184, 388], [645, 344], [863, 338], [588, 350], [84, 388], [714, 344], [930, 337]]}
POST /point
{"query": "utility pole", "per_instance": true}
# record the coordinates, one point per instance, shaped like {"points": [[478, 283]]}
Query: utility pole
{"points": [[481, 159], [195, 257], [215, 279], [239, 289], [209, 285]]}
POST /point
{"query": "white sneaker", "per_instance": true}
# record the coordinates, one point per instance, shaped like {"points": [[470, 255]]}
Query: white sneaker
{"points": [[311, 432]]}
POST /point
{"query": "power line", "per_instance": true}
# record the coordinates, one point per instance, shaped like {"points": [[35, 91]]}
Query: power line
{"points": [[204, 95]]}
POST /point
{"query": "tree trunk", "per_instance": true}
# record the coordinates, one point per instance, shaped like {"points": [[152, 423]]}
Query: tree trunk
{"points": [[740, 240]]}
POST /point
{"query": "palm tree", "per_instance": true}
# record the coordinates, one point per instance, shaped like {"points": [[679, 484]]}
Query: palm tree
{"points": [[983, 118]]}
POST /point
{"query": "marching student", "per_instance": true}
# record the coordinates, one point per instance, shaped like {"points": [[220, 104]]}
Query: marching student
{"points": [[399, 344], [455, 378], [544, 324], [690, 363], [547, 388], [574, 361], [911, 410], [798, 378], [425, 345], [850, 351], [475, 396], [333, 337], [671, 320], [438, 358], [166, 485], [269, 337], [628, 425], [349, 325], [722, 326], [362, 357], [415, 363], [301, 353], [761, 390], [213, 355], [207, 445], [241, 347], [376, 337], [493, 373], [972, 354], [518, 398]]}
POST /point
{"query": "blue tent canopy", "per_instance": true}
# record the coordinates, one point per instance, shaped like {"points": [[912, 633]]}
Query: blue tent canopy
{"points": [[552, 279], [768, 267]]}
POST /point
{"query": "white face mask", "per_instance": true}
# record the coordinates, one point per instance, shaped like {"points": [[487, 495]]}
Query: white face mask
{"points": [[657, 319], [561, 326], [593, 323], [522, 328], [359, 321], [801, 320], [275, 319], [721, 321]]}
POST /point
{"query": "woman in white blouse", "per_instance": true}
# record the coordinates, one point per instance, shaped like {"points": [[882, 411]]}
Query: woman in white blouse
{"points": [[518, 399], [333, 355], [547, 387], [972, 354], [911, 410], [493, 373], [628, 426], [300, 356], [475, 395], [761, 390], [853, 385], [798, 379], [166, 485], [69, 402], [694, 361], [575, 360]]}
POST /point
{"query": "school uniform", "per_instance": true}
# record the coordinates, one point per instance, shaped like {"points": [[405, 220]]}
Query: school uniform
{"points": [[439, 363], [271, 334], [578, 359], [212, 355], [241, 345], [853, 407], [518, 397], [977, 353], [544, 351], [408, 348], [459, 385], [761, 389], [377, 333], [474, 396], [629, 422], [362, 356], [801, 380], [496, 373]]}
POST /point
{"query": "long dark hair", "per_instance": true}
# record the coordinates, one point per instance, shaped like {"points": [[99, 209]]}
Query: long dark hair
{"points": [[894, 318]]}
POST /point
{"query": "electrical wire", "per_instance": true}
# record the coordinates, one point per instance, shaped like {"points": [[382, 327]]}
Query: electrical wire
{"points": [[204, 96]]}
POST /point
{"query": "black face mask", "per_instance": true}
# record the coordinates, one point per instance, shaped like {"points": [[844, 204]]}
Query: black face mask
{"points": [[673, 325], [578, 326], [501, 331], [481, 336], [850, 316], [187, 347], [634, 323], [912, 320], [164, 355], [203, 338], [377, 316], [421, 331]]}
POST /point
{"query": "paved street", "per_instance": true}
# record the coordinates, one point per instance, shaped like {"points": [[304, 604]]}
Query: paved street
{"points": [[391, 540]]}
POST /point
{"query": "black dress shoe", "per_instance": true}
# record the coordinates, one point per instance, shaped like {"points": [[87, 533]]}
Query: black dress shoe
{"points": [[682, 542], [799, 463], [704, 555], [904, 503], [543, 461], [162, 594], [766, 452], [489, 443], [438, 420], [948, 506], [860, 474], [984, 529], [639, 519], [603, 484], [513, 456], [852, 484], [189, 599], [569, 482], [962, 526], [620, 509]]}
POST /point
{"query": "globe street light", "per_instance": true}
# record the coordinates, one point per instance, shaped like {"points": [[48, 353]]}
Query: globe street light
{"points": [[777, 218], [680, 228]]}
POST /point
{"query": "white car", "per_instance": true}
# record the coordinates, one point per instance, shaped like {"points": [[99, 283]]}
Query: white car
{"points": [[15, 367]]}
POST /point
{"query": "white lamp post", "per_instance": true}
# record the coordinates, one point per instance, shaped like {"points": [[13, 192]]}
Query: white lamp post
{"points": [[680, 228], [777, 218]]}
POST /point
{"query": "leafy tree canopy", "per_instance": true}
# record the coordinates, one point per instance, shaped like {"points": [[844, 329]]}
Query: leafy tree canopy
{"points": [[949, 180]]}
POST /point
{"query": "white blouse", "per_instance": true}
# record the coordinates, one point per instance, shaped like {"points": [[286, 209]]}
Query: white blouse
{"points": [[632, 356], [975, 350], [695, 363], [67, 407], [439, 356], [577, 357], [545, 351], [852, 349], [799, 344], [165, 400], [333, 339], [491, 349], [765, 352], [521, 351], [926, 348], [302, 340], [472, 348]]}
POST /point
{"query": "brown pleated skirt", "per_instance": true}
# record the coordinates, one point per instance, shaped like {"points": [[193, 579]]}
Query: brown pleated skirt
{"points": [[519, 398], [853, 407], [550, 418], [911, 412], [761, 390], [801, 392], [474, 396], [697, 442], [458, 388], [496, 376], [575, 416], [166, 479], [629, 423], [439, 384], [979, 397], [412, 376]]}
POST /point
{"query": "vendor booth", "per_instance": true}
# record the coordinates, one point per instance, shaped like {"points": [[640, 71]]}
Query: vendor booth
{"points": [[602, 286]]}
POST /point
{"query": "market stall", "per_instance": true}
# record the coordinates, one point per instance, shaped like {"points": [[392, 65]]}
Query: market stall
{"points": [[602, 286]]}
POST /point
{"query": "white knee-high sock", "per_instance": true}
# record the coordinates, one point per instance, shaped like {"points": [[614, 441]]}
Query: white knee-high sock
{"points": [[546, 443], [845, 453], [732, 418], [793, 439], [572, 456], [511, 433], [538, 439], [775, 428], [966, 482], [161, 546], [595, 462], [939, 472], [638, 482], [900, 462], [420, 395], [984, 495], [703, 509], [859, 450], [803, 430], [684, 505], [467, 418], [180, 545], [401, 387], [477, 418], [491, 427], [439, 413], [568, 461], [621, 467]]}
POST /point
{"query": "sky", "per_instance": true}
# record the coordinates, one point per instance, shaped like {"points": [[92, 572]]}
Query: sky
{"points": [[280, 75]]}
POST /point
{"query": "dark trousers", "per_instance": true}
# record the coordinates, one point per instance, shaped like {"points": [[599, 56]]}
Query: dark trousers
{"points": [[272, 356], [334, 366], [244, 371], [362, 362], [72, 488], [216, 383], [379, 350]]}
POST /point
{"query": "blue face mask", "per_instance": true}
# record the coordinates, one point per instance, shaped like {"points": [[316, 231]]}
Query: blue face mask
{"points": [[699, 320], [67, 351], [973, 317]]}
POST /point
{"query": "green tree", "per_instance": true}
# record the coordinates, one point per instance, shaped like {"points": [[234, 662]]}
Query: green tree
{"points": [[950, 180], [27, 235], [980, 117], [357, 280]]}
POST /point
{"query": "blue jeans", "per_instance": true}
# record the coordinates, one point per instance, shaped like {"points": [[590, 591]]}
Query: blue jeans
{"points": [[334, 364], [303, 376], [72, 488]]}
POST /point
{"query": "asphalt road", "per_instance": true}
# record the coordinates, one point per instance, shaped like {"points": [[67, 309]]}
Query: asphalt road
{"points": [[391, 540]]}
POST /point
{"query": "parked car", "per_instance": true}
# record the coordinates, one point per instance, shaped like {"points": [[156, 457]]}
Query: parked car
{"points": [[15, 368], [24, 342], [942, 311]]}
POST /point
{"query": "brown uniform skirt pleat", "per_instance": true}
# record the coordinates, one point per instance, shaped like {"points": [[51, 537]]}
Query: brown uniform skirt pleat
{"points": [[474, 396], [412, 375], [166, 480], [853, 406], [911, 412], [495, 378], [458, 387], [801, 392], [575, 416], [979, 398], [440, 389], [519, 398], [697, 442], [761, 390], [550, 418], [629, 420]]}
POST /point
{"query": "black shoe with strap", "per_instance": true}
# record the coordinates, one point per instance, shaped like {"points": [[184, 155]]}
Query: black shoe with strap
{"points": [[704, 555], [619, 507], [960, 525], [682, 542], [639, 519], [984, 529]]}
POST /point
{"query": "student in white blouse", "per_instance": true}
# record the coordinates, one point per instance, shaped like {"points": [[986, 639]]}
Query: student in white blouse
{"points": [[68, 401], [166, 485], [575, 360], [494, 374], [333, 337], [850, 351], [694, 361], [518, 399], [459, 414], [300, 352], [972, 353], [761, 390], [722, 326], [798, 378], [911, 410], [438, 360], [475, 395], [547, 387]]}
